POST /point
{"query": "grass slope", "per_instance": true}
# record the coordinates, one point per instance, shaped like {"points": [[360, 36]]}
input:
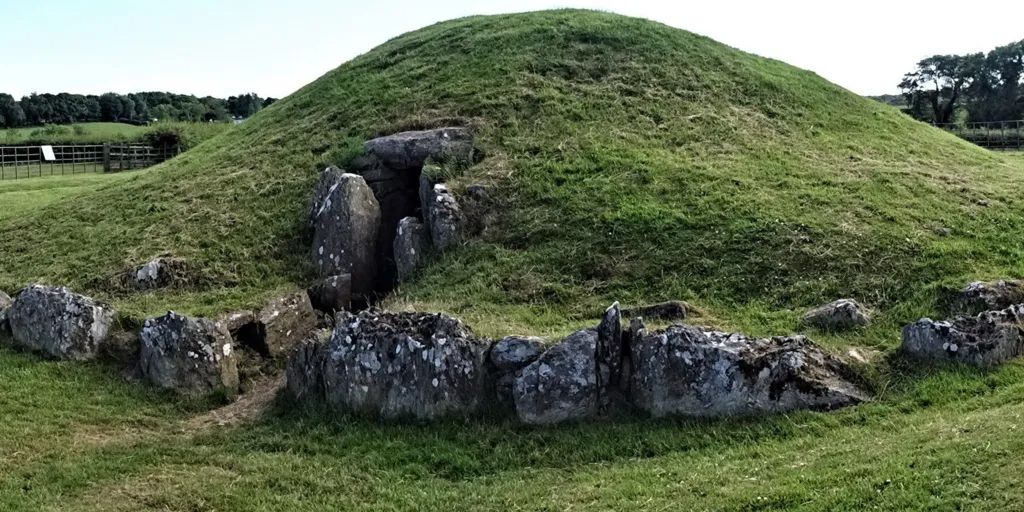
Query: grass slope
{"points": [[631, 161]]}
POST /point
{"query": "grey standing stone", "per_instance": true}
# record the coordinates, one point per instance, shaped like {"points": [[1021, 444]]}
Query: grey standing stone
{"points": [[305, 369], [987, 296], [411, 242], [409, 150], [284, 323], [330, 294], [345, 232], [562, 384], [987, 339], [445, 218], [509, 355], [188, 355], [688, 372], [59, 323], [329, 177], [838, 315], [609, 348], [403, 365], [5, 304]]}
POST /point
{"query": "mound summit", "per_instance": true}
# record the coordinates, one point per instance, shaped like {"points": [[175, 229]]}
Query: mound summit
{"points": [[626, 160]]}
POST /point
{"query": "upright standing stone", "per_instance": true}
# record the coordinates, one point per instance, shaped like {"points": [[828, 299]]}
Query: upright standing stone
{"points": [[445, 219], [396, 365], [59, 323], [411, 241], [330, 294], [508, 356], [188, 355], [561, 385], [609, 348], [345, 232]]}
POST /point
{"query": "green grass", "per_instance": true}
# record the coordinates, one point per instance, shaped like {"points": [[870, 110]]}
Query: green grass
{"points": [[98, 133], [76, 436], [24, 196], [629, 161]]}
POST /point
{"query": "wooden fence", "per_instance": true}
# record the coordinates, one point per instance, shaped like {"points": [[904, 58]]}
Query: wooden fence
{"points": [[32, 161], [998, 135]]}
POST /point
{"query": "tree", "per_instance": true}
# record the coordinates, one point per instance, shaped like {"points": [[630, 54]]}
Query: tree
{"points": [[938, 84], [111, 107]]}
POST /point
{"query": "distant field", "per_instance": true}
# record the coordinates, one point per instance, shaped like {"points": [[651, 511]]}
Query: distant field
{"points": [[23, 195], [96, 133], [81, 132]]}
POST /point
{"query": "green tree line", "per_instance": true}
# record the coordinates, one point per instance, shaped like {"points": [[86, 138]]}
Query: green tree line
{"points": [[138, 108], [976, 87]]}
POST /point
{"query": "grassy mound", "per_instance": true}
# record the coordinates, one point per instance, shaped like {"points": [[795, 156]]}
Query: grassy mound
{"points": [[627, 160]]}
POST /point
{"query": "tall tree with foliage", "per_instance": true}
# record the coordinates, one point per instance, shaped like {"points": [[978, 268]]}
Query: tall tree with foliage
{"points": [[936, 87]]}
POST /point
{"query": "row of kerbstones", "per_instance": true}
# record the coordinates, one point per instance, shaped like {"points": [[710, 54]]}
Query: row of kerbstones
{"points": [[189, 355], [429, 366]]}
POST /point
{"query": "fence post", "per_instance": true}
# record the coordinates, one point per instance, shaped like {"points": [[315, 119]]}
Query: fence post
{"points": [[106, 157]]}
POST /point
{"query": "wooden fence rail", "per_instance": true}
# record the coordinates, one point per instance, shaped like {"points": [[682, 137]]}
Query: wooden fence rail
{"points": [[32, 161], [998, 135]]}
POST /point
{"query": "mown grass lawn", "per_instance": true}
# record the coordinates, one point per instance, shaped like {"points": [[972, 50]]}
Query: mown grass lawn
{"points": [[21, 196]]}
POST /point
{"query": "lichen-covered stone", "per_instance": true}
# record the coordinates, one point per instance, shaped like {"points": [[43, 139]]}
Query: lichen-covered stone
{"points": [[981, 296], [837, 315], [609, 348], [445, 218], [305, 370], [345, 231], [989, 338], [188, 355], [409, 150], [284, 322], [5, 304], [59, 323], [397, 365], [561, 385], [332, 293], [159, 273], [411, 242], [509, 355], [685, 371]]}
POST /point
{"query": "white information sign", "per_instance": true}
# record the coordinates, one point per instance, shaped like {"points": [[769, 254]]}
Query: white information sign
{"points": [[48, 153]]}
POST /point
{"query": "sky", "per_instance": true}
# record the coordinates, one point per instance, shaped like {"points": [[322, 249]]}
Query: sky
{"points": [[222, 48]]}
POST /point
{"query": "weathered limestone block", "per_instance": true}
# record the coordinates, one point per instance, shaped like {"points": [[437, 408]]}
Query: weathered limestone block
{"points": [[345, 231], [685, 371], [838, 315], [445, 218], [411, 242], [397, 365], [59, 323], [986, 339], [980, 296], [159, 273], [409, 150], [284, 322], [509, 355], [188, 355], [561, 385], [5, 304], [609, 348]]}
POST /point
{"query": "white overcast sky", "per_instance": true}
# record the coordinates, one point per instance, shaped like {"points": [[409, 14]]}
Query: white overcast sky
{"points": [[221, 48]]}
